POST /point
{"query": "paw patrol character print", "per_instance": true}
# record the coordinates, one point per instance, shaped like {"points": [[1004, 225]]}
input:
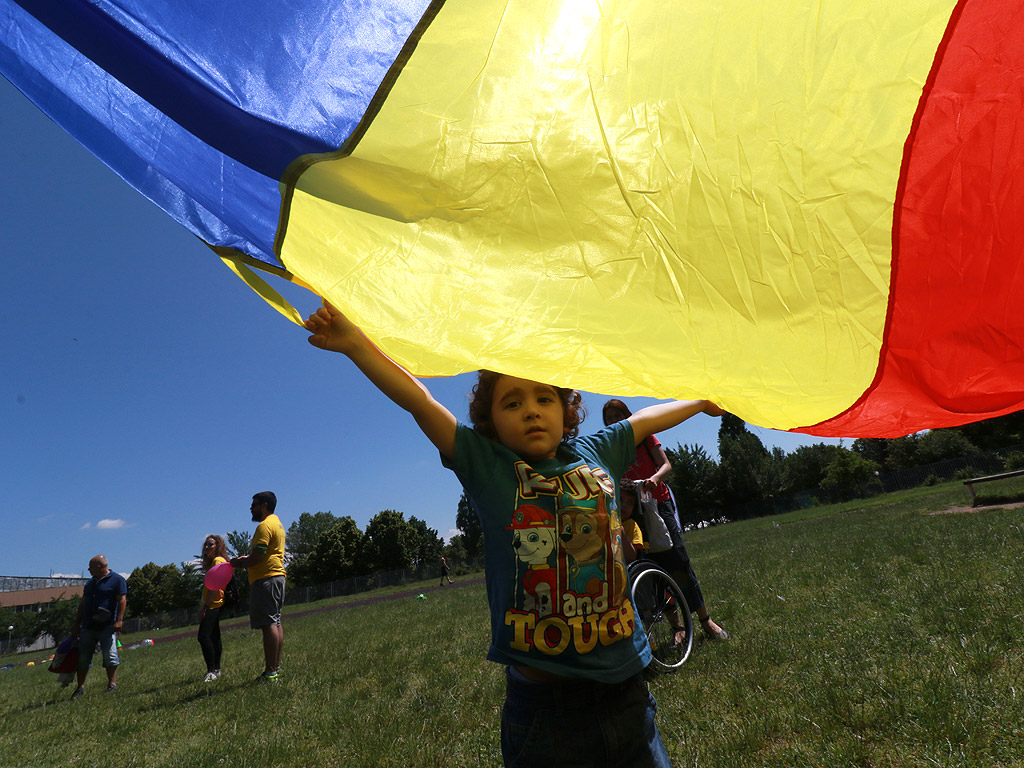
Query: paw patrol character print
{"points": [[533, 540], [584, 536]]}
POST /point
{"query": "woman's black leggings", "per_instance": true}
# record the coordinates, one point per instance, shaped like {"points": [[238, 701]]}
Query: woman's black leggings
{"points": [[209, 638], [677, 561]]}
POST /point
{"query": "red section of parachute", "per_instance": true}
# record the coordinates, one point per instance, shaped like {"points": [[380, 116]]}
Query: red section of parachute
{"points": [[953, 352]]}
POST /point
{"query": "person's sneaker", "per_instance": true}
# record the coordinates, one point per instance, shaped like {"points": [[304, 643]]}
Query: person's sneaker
{"points": [[216, 673], [268, 677], [210, 677], [78, 692], [111, 688]]}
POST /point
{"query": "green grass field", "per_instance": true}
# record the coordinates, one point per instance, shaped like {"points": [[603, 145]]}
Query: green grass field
{"points": [[878, 633]]}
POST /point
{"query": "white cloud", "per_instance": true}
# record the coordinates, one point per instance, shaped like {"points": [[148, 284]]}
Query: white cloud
{"points": [[87, 525], [452, 532], [110, 524]]}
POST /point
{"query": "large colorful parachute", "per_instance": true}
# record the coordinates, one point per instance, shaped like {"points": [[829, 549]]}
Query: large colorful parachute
{"points": [[809, 211]]}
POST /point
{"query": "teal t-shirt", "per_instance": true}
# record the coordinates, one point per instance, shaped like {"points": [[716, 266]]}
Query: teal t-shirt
{"points": [[556, 575]]}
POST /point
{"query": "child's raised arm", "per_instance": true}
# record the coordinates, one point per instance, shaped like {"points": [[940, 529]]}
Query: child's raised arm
{"points": [[332, 331], [657, 418]]}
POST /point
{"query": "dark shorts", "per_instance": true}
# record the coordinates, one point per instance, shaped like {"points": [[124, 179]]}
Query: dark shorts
{"points": [[266, 597]]}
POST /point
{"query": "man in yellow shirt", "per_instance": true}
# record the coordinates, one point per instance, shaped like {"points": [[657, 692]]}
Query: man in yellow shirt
{"points": [[265, 564]]}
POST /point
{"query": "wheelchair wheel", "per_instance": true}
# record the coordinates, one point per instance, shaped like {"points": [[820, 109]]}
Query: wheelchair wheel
{"points": [[662, 609]]}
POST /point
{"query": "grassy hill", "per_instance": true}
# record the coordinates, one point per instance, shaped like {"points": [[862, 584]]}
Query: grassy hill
{"points": [[879, 633]]}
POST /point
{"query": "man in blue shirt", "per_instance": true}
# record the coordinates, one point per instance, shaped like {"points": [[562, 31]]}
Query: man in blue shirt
{"points": [[99, 620]]}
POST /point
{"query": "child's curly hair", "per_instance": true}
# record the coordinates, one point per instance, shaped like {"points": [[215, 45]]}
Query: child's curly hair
{"points": [[482, 397]]}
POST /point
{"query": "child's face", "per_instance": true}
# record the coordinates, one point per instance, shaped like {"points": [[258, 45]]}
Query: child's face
{"points": [[528, 417], [627, 502]]}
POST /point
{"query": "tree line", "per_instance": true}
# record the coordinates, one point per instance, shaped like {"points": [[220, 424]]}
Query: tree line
{"points": [[320, 547], [747, 477]]}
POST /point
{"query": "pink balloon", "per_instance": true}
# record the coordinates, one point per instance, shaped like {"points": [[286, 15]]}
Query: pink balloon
{"points": [[218, 576]]}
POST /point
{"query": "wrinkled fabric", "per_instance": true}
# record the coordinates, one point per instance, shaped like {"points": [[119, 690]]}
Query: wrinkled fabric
{"points": [[807, 212]]}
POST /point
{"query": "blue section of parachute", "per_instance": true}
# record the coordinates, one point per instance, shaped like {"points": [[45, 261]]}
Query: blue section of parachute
{"points": [[202, 105]]}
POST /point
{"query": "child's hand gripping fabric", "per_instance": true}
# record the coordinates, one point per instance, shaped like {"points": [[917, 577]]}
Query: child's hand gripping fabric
{"points": [[333, 331]]}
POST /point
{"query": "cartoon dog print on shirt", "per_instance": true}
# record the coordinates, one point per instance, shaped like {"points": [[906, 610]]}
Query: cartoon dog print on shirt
{"points": [[584, 535], [533, 539]]}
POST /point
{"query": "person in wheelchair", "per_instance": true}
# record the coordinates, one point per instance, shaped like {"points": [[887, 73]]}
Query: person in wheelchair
{"points": [[635, 548], [651, 466]]}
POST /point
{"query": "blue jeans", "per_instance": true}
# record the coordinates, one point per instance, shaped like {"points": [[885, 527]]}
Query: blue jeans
{"points": [[580, 723]]}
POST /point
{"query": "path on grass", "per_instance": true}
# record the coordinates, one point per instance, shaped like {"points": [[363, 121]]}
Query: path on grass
{"points": [[239, 624]]}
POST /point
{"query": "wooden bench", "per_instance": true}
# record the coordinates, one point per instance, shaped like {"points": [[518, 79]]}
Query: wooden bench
{"points": [[970, 483]]}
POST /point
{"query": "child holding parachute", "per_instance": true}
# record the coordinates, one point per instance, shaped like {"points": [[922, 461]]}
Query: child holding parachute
{"points": [[561, 620]]}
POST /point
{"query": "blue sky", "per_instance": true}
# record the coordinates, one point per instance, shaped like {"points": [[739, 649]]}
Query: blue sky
{"points": [[147, 392]]}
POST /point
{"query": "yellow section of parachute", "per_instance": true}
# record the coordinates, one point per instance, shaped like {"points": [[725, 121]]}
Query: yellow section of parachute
{"points": [[676, 199]]}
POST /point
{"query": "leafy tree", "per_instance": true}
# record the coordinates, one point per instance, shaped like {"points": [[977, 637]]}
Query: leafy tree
{"points": [[874, 449], [941, 444], [302, 538], [695, 483], [336, 555], [773, 474], [429, 545], [190, 585], [846, 475], [902, 453], [455, 550], [748, 471], [304, 533], [1000, 432], [24, 623], [56, 618], [238, 543], [805, 467], [468, 524], [154, 588], [389, 542], [300, 572], [1013, 461]]}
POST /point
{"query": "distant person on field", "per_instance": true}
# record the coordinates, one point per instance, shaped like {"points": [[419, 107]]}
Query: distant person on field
{"points": [[215, 551], [561, 620], [651, 466], [445, 572], [265, 563], [99, 619]]}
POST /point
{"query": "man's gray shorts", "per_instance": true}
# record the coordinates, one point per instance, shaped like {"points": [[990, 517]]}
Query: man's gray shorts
{"points": [[266, 597]]}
